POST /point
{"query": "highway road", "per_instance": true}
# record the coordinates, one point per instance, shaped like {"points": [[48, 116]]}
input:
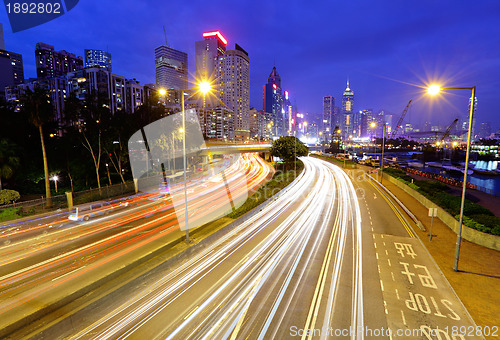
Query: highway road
{"points": [[329, 257], [44, 263]]}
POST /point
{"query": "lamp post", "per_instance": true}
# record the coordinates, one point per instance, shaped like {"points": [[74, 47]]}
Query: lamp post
{"points": [[382, 159], [373, 125], [55, 178], [204, 87], [433, 90]]}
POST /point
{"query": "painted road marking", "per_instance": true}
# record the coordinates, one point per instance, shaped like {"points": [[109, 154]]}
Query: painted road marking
{"points": [[416, 295]]}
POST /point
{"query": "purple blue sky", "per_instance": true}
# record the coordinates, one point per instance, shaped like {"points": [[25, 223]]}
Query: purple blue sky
{"points": [[386, 48]]}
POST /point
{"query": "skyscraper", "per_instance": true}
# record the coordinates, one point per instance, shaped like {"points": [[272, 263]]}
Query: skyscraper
{"points": [[233, 87], [98, 58], [51, 63], [347, 111], [171, 68], [273, 101], [11, 70], [207, 52], [328, 112], [287, 111]]}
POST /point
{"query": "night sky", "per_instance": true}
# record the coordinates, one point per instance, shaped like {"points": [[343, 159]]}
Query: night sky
{"points": [[387, 49]]}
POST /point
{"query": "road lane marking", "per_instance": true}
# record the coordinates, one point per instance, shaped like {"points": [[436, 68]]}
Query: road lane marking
{"points": [[187, 316]]}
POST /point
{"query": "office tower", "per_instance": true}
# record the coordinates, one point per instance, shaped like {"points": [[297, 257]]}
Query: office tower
{"points": [[273, 101], [11, 70], [474, 115], [98, 58], [134, 95], [347, 112], [484, 130], [207, 52], [233, 88], [2, 41], [51, 63], [328, 113], [171, 68], [366, 119], [287, 111]]}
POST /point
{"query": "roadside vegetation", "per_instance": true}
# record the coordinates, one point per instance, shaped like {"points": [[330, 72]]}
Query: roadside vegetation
{"points": [[475, 215], [348, 162], [279, 181]]}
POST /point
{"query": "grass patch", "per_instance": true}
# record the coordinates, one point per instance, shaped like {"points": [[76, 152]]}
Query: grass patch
{"points": [[7, 214], [279, 181], [475, 215], [349, 164]]}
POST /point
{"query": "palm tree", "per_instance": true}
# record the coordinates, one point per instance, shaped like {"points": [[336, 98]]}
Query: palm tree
{"points": [[38, 107], [9, 161]]}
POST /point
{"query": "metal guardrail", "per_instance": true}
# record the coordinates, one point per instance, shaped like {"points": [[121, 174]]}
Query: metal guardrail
{"points": [[488, 191], [80, 197]]}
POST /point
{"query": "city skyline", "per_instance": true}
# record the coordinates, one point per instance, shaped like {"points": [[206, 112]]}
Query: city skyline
{"points": [[378, 50]]}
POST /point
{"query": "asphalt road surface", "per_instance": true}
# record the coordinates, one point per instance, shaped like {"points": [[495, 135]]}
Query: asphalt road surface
{"points": [[330, 257]]}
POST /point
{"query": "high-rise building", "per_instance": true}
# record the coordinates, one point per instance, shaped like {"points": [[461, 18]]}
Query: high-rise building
{"points": [[51, 63], [254, 124], [287, 111], [11, 70], [98, 58], [484, 130], [366, 119], [171, 68], [207, 52], [233, 88], [474, 115], [273, 101], [328, 113], [134, 95], [2, 41], [347, 111]]}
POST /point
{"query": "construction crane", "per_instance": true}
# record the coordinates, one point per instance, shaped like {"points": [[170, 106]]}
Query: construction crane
{"points": [[401, 119], [447, 132]]}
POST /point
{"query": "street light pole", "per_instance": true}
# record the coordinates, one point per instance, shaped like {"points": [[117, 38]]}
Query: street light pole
{"points": [[184, 163], [466, 168], [382, 160], [435, 89], [204, 87], [295, 140]]}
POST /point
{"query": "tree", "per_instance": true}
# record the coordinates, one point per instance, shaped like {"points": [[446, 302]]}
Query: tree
{"points": [[9, 161], [39, 109], [288, 148], [95, 121]]}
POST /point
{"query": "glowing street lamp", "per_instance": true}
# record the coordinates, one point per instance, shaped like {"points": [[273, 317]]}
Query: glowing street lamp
{"points": [[434, 90], [203, 87], [55, 178]]}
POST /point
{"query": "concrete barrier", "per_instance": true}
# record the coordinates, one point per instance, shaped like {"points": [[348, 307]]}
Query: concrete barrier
{"points": [[472, 235]]}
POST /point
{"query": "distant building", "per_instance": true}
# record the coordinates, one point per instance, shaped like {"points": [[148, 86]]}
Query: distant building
{"points": [[51, 63], [484, 130], [171, 68], [2, 41], [328, 117], [11, 70], [233, 88], [98, 58], [288, 114], [134, 95], [347, 112], [207, 52], [273, 101], [254, 124]]}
